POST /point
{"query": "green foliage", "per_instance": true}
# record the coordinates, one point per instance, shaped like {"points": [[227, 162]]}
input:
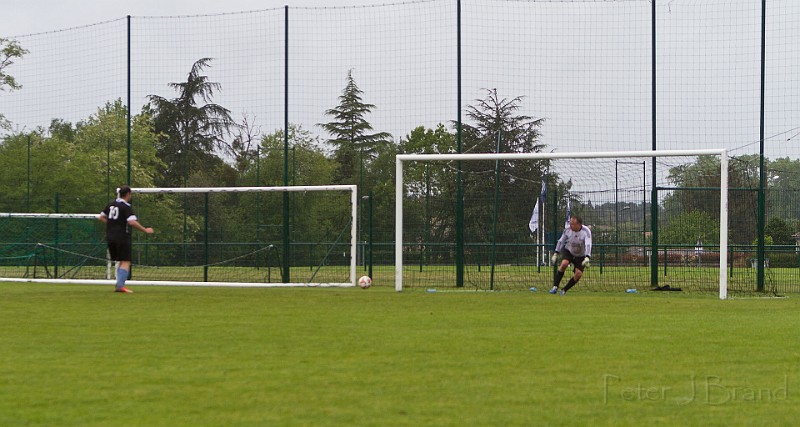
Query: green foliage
{"points": [[200, 356], [9, 51], [496, 125], [83, 163], [494, 115], [783, 181], [310, 214], [686, 228], [783, 173], [354, 144], [705, 173], [308, 164], [779, 230], [768, 241], [190, 128], [428, 177], [379, 182], [427, 181]]}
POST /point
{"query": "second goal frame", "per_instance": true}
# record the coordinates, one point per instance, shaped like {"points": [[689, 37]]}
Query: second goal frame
{"points": [[352, 244], [723, 214], [353, 189]]}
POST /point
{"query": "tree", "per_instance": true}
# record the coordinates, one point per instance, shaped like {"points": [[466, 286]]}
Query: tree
{"points": [[686, 228], [496, 120], [308, 166], [9, 51], [783, 174], [307, 162], [783, 184], [82, 162], [779, 230], [426, 184], [354, 144], [245, 142], [699, 183], [191, 127], [63, 130], [422, 178], [493, 115]]}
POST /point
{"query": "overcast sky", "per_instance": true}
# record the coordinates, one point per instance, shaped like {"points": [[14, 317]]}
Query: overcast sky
{"points": [[20, 17], [583, 67]]}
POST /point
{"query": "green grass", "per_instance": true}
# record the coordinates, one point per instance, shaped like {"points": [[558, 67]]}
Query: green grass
{"points": [[333, 274], [83, 355], [741, 281]]}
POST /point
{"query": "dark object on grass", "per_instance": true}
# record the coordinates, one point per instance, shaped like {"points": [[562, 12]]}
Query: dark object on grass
{"points": [[666, 288]]}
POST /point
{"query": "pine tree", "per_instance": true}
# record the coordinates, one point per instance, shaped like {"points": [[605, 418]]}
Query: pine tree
{"points": [[354, 145], [192, 127]]}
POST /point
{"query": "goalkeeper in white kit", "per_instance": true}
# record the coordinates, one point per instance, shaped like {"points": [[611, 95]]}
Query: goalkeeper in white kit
{"points": [[575, 247]]}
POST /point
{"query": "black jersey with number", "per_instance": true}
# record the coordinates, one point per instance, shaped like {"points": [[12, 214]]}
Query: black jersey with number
{"points": [[118, 213]]}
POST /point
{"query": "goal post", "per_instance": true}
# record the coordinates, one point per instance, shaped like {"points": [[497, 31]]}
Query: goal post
{"points": [[232, 237], [401, 191]]}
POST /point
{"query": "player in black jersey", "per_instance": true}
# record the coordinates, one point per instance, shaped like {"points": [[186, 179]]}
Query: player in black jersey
{"points": [[119, 218]]}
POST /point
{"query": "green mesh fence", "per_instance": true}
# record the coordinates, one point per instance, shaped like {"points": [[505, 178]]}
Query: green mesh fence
{"points": [[200, 237], [593, 72], [52, 247], [611, 195], [237, 237]]}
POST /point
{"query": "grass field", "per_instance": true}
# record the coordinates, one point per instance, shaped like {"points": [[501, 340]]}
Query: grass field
{"points": [[83, 355], [741, 281]]}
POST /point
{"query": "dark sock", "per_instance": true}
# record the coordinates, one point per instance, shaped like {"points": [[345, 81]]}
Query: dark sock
{"points": [[559, 276], [570, 284]]}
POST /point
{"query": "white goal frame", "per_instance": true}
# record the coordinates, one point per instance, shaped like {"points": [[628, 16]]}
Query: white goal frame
{"points": [[723, 185], [353, 189], [109, 263]]}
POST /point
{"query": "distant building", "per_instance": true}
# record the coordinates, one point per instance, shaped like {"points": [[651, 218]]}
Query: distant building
{"points": [[796, 241]]}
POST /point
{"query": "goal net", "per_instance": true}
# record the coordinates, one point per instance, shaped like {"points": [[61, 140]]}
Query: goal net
{"points": [[52, 246], [499, 235], [222, 236]]}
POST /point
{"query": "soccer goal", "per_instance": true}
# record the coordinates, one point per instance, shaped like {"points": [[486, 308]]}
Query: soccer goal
{"points": [[52, 246], [234, 237], [653, 225]]}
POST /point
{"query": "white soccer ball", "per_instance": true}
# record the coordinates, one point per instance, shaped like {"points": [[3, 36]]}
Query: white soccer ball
{"points": [[364, 282]]}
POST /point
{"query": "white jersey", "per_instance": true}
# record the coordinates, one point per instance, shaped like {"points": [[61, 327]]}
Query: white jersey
{"points": [[578, 243]]}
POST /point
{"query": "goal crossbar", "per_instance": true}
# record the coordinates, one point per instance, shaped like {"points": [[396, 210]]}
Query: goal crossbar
{"points": [[278, 189], [48, 215], [723, 205]]}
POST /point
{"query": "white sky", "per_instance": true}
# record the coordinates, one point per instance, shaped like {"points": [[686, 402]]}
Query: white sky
{"points": [[21, 17], [584, 66]]}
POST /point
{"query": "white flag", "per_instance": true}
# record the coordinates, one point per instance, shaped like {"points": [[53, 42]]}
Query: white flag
{"points": [[534, 222], [566, 224]]}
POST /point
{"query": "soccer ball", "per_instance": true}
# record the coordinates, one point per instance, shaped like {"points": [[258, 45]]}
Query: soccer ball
{"points": [[364, 282]]}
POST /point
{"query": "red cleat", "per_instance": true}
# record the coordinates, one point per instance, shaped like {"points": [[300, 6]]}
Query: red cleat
{"points": [[124, 289]]}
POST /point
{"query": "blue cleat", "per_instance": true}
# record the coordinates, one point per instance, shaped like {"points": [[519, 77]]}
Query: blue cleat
{"points": [[562, 292], [554, 290]]}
